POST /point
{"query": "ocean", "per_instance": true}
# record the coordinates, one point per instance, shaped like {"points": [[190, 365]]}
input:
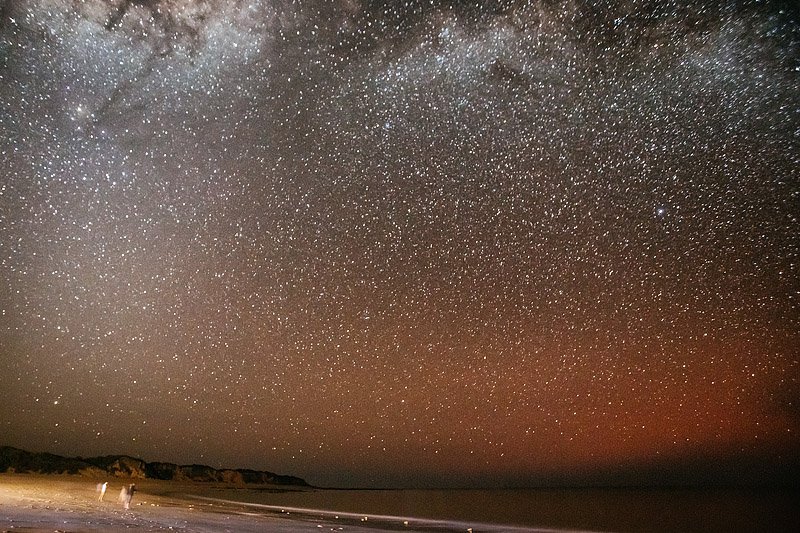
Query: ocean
{"points": [[618, 509]]}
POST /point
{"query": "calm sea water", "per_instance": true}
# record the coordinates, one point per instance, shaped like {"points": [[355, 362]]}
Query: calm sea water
{"points": [[620, 510]]}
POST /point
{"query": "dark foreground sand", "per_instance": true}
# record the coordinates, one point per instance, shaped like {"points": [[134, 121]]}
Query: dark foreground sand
{"points": [[34, 503]]}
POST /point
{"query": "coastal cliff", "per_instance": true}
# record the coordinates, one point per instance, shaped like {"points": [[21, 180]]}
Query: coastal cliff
{"points": [[121, 466]]}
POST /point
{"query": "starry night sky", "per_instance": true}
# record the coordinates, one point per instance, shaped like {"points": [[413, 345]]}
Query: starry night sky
{"points": [[401, 243]]}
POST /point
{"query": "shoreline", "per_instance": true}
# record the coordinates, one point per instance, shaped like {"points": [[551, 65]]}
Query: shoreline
{"points": [[64, 503], [33, 503], [69, 503]]}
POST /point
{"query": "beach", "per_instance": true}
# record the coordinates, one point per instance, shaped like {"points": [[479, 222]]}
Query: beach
{"points": [[69, 503], [38, 503]]}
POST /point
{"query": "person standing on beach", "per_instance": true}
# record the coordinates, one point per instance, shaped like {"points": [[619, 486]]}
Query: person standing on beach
{"points": [[126, 495], [101, 488]]}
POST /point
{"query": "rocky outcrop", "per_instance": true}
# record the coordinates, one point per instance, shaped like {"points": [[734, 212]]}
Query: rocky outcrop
{"points": [[268, 478], [120, 466], [123, 466], [207, 473]]}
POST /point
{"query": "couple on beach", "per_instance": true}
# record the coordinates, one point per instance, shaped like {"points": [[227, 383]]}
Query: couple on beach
{"points": [[125, 495]]}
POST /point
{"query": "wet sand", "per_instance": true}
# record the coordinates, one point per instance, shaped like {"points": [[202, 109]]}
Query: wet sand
{"points": [[37, 503]]}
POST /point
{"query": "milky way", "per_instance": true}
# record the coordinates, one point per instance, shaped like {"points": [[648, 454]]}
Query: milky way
{"points": [[402, 243]]}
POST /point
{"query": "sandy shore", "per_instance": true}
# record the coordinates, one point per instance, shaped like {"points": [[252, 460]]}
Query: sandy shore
{"points": [[34, 503]]}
